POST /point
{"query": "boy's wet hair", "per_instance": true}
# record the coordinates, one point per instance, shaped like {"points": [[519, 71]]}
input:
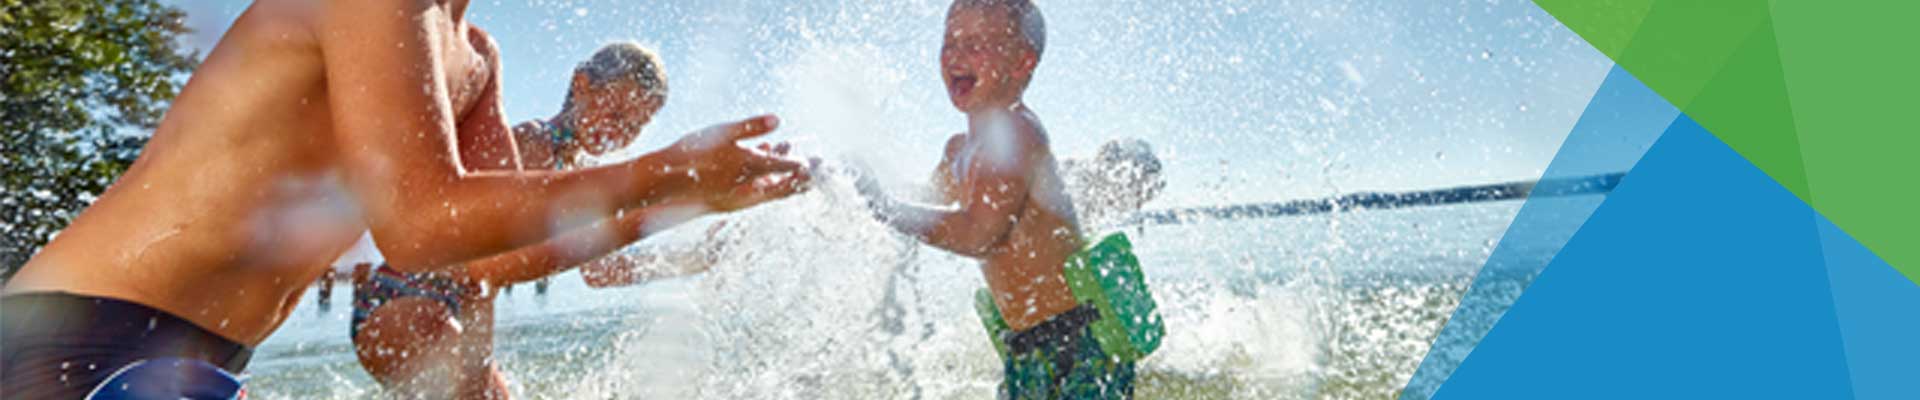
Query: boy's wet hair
{"points": [[1032, 25], [624, 61]]}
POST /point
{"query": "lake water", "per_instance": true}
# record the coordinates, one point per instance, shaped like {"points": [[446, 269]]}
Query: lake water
{"points": [[815, 301]]}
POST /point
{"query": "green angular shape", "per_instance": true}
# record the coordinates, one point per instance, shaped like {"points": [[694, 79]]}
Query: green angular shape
{"points": [[1683, 44], [1722, 50], [1853, 78], [1606, 24], [1850, 89], [1746, 106]]}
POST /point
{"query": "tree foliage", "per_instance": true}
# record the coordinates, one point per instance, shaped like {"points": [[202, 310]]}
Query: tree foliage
{"points": [[81, 83]]}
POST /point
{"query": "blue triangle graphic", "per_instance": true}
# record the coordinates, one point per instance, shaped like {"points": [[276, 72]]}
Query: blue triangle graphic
{"points": [[1621, 121], [1877, 307], [1700, 277]]}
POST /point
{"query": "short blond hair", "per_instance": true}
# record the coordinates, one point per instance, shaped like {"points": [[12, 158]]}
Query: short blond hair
{"points": [[1025, 15], [624, 61]]}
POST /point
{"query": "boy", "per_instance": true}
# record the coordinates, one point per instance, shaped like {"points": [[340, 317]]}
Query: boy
{"points": [[1012, 210], [310, 123], [431, 335]]}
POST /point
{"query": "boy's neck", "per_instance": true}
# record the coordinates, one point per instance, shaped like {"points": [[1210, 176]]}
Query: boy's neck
{"points": [[979, 114]]}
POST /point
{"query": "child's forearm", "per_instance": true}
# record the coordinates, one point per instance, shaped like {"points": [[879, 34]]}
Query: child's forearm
{"points": [[943, 227], [907, 218], [632, 269], [578, 246]]}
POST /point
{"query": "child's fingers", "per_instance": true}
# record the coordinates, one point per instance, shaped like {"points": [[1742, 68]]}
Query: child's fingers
{"points": [[769, 188], [760, 164], [779, 149], [751, 128]]}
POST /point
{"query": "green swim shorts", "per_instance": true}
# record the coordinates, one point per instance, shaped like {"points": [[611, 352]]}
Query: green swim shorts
{"points": [[1059, 359]]}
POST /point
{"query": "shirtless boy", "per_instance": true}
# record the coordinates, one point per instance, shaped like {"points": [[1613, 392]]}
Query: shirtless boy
{"points": [[309, 123], [430, 335], [1009, 208]]}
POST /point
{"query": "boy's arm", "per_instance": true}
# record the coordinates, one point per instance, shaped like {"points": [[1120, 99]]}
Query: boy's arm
{"points": [[579, 246], [394, 126], [989, 199], [629, 268], [942, 179]]}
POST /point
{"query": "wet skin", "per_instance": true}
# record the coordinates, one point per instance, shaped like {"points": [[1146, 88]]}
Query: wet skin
{"points": [[313, 121], [422, 347], [1013, 213]]}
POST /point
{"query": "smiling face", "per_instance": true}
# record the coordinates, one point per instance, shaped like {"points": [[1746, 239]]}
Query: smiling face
{"points": [[985, 61], [609, 116]]}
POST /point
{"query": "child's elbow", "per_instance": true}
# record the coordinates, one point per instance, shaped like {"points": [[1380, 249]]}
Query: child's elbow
{"points": [[406, 250]]}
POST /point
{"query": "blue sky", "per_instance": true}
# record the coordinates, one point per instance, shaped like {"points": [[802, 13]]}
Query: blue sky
{"points": [[1244, 100]]}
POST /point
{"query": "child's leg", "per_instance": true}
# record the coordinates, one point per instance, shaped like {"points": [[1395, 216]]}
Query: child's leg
{"points": [[487, 384]]}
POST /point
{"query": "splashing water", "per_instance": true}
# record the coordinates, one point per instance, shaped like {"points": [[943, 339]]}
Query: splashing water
{"points": [[1249, 100], [814, 300]]}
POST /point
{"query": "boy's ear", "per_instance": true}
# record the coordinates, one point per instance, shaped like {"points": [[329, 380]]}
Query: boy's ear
{"points": [[1028, 61]]}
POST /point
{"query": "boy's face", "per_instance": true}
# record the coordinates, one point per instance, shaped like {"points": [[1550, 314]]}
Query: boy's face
{"points": [[612, 115], [985, 60]]}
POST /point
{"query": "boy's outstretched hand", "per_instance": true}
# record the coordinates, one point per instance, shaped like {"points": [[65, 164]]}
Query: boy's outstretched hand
{"points": [[729, 177]]}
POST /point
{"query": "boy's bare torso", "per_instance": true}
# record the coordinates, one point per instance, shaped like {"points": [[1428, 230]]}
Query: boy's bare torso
{"points": [[1023, 269], [237, 202]]}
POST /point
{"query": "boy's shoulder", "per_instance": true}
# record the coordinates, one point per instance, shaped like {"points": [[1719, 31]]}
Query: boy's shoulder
{"points": [[1030, 132], [955, 143]]}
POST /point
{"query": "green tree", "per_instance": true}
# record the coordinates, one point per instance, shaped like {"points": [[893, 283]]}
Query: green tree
{"points": [[81, 82]]}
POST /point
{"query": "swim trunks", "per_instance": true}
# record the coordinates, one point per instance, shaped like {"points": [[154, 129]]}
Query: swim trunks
{"points": [[63, 345], [1059, 359], [1088, 352], [170, 378], [387, 284]]}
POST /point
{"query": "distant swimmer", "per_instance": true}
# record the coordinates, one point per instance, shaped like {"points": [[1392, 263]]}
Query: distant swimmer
{"points": [[1009, 208], [326, 288], [310, 123]]}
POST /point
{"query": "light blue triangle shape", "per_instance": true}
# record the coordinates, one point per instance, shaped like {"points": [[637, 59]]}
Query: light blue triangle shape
{"points": [[1621, 122], [1879, 312]]}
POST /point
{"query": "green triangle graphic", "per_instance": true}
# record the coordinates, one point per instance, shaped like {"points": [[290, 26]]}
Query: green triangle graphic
{"points": [[1853, 77], [1606, 24], [1746, 106], [1821, 96], [1683, 44]]}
